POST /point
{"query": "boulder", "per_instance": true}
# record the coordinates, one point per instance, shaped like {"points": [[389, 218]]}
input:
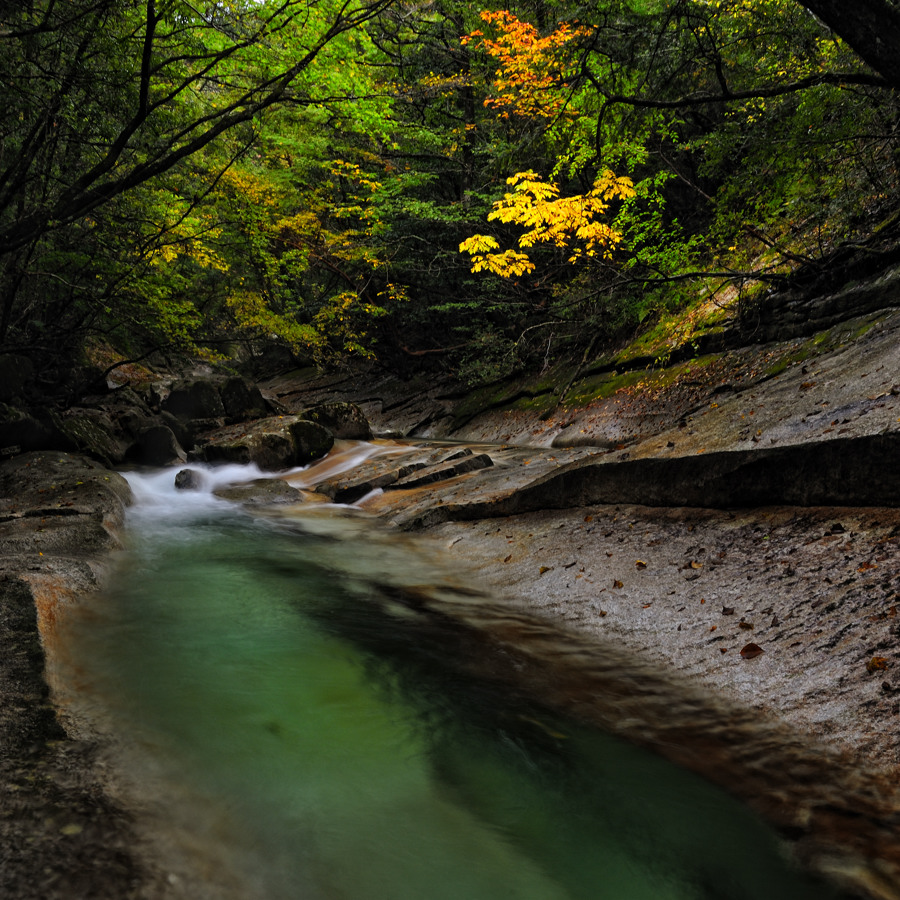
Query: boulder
{"points": [[312, 440], [271, 450], [344, 420], [92, 432], [157, 446], [278, 442], [242, 400], [199, 399], [189, 480], [22, 430]]}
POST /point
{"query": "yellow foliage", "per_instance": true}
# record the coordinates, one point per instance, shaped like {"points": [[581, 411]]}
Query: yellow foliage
{"points": [[251, 312], [564, 222]]}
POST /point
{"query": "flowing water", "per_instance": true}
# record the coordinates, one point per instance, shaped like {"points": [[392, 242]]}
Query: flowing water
{"points": [[277, 713]]}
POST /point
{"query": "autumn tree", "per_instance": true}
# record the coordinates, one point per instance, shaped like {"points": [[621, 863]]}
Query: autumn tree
{"points": [[103, 97], [735, 120]]}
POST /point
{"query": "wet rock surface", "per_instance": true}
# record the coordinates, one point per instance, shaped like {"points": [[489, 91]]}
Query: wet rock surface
{"points": [[60, 834], [765, 486], [274, 443], [260, 492]]}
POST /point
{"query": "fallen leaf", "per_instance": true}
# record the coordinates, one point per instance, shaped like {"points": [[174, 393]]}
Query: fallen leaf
{"points": [[588, 518], [508, 558], [713, 628], [750, 651], [696, 565], [727, 610], [747, 626], [876, 664], [617, 584], [723, 649], [702, 600], [647, 605], [866, 566], [544, 569], [640, 564]]}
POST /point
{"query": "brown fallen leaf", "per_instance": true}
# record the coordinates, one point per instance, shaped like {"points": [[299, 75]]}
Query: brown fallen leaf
{"points": [[508, 558], [751, 651], [747, 626], [544, 569], [723, 649], [876, 664], [696, 565], [727, 610], [617, 584], [866, 566], [588, 518], [713, 628], [640, 564]]}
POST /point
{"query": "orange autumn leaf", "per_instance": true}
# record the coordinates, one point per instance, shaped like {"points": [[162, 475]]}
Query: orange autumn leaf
{"points": [[532, 71]]}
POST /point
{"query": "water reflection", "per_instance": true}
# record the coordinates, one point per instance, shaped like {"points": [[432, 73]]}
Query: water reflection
{"points": [[338, 745]]}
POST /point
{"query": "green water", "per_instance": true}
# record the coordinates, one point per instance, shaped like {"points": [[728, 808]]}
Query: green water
{"points": [[255, 671]]}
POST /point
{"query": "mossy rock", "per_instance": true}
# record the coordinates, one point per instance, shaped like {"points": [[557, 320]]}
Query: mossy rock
{"points": [[311, 440], [93, 434]]}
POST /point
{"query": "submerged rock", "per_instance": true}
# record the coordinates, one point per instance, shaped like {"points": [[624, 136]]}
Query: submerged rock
{"points": [[260, 492]]}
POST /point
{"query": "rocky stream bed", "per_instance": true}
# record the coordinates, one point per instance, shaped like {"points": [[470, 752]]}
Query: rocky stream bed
{"points": [[702, 558]]}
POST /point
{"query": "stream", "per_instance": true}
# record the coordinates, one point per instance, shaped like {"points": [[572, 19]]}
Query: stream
{"points": [[294, 732]]}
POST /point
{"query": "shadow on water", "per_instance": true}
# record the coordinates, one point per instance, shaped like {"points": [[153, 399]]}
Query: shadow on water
{"points": [[340, 744]]}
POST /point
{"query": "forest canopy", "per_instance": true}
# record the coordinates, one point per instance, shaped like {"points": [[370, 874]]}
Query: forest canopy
{"points": [[473, 186]]}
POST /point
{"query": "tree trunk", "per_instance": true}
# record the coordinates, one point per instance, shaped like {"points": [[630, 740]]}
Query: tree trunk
{"points": [[870, 27]]}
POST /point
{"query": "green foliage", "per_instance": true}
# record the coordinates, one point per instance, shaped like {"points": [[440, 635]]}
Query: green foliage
{"points": [[189, 175]]}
